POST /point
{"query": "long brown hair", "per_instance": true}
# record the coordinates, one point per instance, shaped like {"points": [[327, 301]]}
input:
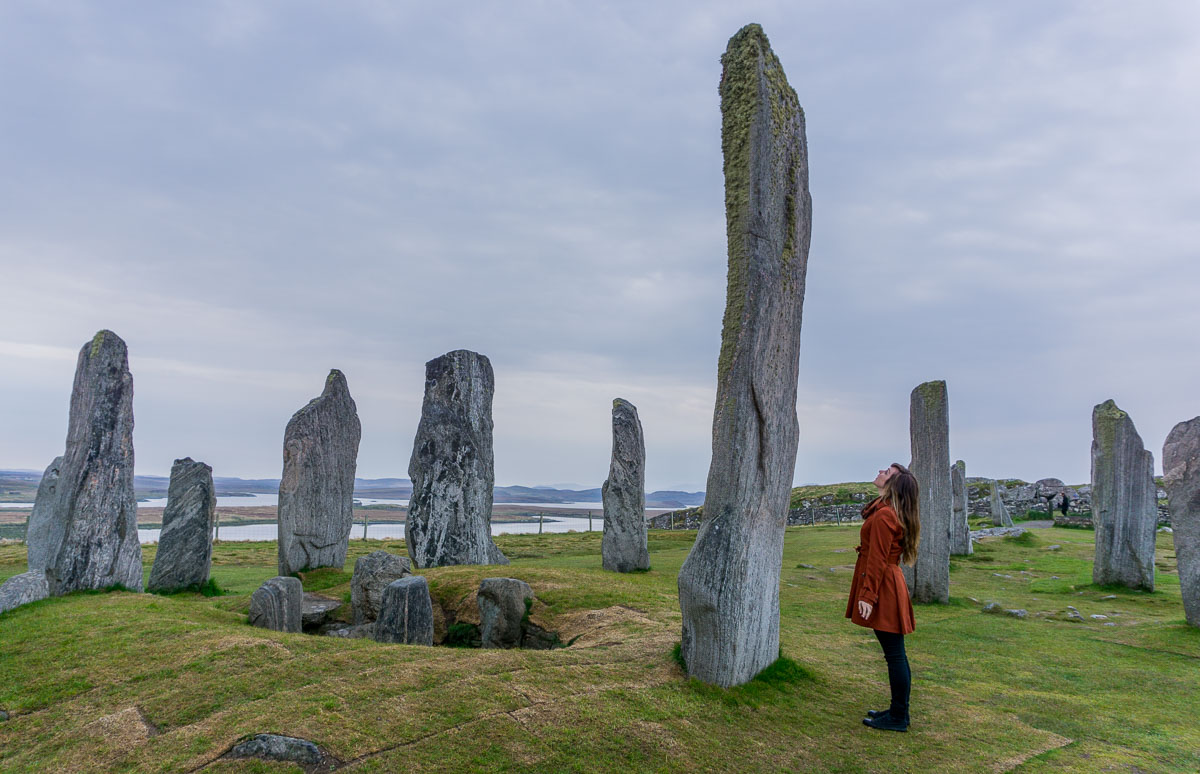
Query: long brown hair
{"points": [[904, 495]]}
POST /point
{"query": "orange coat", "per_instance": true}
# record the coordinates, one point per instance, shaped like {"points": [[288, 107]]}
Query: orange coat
{"points": [[878, 578]]}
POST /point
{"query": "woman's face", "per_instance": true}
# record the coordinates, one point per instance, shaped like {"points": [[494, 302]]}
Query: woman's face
{"points": [[885, 474]]}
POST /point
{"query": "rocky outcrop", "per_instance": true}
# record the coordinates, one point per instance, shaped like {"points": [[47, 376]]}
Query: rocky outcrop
{"points": [[1181, 474], [85, 533], [999, 511], [960, 530], [185, 543], [729, 583], [372, 574], [502, 607], [452, 469], [1124, 509], [623, 547], [278, 604], [22, 589], [406, 613], [929, 428], [316, 493]]}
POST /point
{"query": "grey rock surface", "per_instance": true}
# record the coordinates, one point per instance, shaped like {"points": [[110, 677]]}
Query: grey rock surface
{"points": [[960, 529], [362, 632], [184, 553], [999, 511], [315, 610], [623, 547], [1181, 474], [273, 747], [406, 613], [452, 468], [316, 493], [372, 574], [502, 608], [729, 583], [1124, 501], [22, 589], [278, 605], [929, 429], [85, 533], [44, 532], [997, 532]]}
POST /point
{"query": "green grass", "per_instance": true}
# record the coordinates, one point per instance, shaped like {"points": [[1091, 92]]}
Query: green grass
{"points": [[136, 682]]}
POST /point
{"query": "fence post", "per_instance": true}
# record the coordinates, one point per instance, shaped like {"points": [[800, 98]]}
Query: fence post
{"points": [[216, 526], [366, 521], [838, 513], [540, 517], [589, 521]]}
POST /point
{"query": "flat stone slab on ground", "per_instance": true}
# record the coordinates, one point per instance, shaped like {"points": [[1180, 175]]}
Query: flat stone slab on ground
{"points": [[23, 589]]}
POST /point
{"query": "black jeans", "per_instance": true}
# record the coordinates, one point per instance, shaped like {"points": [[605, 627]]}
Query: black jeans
{"points": [[899, 676]]}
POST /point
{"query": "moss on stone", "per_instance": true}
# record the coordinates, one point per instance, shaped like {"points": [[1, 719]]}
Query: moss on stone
{"points": [[1107, 419], [932, 393], [97, 342]]}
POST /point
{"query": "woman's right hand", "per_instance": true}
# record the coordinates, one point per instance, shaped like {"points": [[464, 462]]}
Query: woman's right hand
{"points": [[865, 609]]}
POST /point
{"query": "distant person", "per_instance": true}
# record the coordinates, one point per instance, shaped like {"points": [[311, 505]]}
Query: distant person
{"points": [[878, 594], [1066, 503]]}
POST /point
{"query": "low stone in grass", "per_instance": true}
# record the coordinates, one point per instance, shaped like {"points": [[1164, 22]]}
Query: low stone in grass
{"points": [[273, 747], [372, 574], [278, 605], [315, 610], [502, 608], [23, 589], [406, 613]]}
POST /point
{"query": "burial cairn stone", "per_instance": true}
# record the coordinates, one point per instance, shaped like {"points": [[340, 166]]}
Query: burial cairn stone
{"points": [[729, 583], [316, 493], [1181, 474], [185, 543], [960, 529], [405, 613], [1000, 515], [278, 604], [372, 574], [502, 607], [624, 547], [22, 589], [1124, 501], [929, 429], [452, 469], [84, 536]]}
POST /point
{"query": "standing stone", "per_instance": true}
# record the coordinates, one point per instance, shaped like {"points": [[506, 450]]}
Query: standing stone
{"points": [[278, 604], [1181, 474], [23, 589], [1124, 501], [450, 512], [1000, 515], [185, 543], [623, 547], [406, 613], [85, 533], [960, 529], [503, 603], [929, 429], [316, 493], [729, 583], [372, 574]]}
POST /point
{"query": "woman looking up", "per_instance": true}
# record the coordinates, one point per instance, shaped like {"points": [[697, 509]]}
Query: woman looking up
{"points": [[878, 594]]}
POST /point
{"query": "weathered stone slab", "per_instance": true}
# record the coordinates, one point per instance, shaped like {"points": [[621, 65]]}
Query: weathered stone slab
{"points": [[452, 468], [278, 605], [1181, 474], [623, 547], [43, 531], [22, 589], [960, 529], [316, 493], [1124, 501], [502, 607], [929, 429], [315, 610], [1000, 515], [372, 574], [729, 583], [85, 534], [185, 544], [406, 613], [274, 747]]}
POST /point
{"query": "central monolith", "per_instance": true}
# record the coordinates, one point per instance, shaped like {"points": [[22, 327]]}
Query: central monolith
{"points": [[960, 528], [1124, 501], [1181, 475], [624, 547], [316, 493], [729, 583], [929, 428], [184, 551], [452, 469]]}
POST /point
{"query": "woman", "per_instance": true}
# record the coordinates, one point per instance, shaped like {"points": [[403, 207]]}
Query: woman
{"points": [[878, 595]]}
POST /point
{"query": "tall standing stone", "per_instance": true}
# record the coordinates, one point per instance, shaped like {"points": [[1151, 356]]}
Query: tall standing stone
{"points": [[960, 529], [1000, 515], [1124, 501], [316, 493], [729, 583], [452, 469], [185, 544], [623, 547], [1181, 474], [83, 531], [929, 429]]}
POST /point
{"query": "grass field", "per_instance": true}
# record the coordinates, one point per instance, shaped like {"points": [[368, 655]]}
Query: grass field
{"points": [[133, 682]]}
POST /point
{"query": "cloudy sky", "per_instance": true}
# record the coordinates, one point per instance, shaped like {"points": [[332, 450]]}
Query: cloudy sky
{"points": [[1005, 196]]}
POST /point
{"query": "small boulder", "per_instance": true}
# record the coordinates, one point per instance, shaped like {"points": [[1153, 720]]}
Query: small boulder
{"points": [[502, 608], [273, 747], [1054, 548], [363, 632], [278, 605], [372, 574], [406, 613], [315, 610], [23, 589], [1019, 613]]}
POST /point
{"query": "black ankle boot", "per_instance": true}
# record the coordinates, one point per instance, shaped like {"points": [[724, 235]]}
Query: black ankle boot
{"points": [[876, 713], [885, 722]]}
